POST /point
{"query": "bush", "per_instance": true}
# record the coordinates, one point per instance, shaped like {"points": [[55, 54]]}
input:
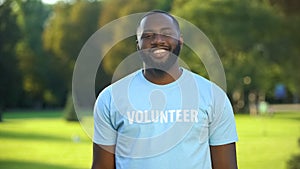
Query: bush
{"points": [[294, 162], [69, 111]]}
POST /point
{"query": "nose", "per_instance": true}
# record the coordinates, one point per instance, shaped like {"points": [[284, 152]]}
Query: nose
{"points": [[158, 39]]}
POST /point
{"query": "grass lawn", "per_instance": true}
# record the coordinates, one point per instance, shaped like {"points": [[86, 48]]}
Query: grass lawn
{"points": [[267, 142], [43, 140]]}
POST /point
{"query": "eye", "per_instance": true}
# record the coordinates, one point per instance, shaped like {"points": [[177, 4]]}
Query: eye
{"points": [[148, 35], [168, 33]]}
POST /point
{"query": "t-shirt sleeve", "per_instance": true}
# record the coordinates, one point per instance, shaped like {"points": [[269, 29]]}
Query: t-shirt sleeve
{"points": [[222, 127], [104, 132]]}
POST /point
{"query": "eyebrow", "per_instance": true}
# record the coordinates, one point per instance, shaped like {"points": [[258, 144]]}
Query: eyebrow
{"points": [[162, 29]]}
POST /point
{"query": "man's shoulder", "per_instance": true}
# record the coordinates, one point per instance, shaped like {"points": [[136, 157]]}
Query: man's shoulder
{"points": [[199, 78], [205, 85]]}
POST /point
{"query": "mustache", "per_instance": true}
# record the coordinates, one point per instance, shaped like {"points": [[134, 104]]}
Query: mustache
{"points": [[154, 47]]}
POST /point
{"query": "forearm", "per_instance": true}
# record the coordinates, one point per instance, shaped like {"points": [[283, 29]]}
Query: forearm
{"points": [[224, 156], [103, 158]]}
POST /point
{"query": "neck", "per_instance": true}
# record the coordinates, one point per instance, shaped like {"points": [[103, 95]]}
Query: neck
{"points": [[162, 77]]}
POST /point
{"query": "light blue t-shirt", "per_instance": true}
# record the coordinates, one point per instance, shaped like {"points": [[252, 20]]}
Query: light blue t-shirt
{"points": [[163, 126]]}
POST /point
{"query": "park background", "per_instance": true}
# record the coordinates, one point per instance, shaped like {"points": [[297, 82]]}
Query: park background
{"points": [[258, 43]]}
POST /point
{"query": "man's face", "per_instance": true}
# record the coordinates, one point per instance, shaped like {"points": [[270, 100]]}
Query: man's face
{"points": [[159, 41]]}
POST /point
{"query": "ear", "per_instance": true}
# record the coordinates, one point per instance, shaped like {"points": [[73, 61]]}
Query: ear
{"points": [[137, 45], [181, 40]]}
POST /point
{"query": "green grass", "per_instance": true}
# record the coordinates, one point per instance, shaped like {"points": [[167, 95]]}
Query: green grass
{"points": [[267, 142], [44, 140]]}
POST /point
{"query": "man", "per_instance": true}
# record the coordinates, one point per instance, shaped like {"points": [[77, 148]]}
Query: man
{"points": [[163, 116]]}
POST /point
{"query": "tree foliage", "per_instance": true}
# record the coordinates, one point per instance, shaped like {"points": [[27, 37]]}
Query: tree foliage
{"points": [[257, 41], [10, 88], [251, 39], [31, 55], [67, 30]]}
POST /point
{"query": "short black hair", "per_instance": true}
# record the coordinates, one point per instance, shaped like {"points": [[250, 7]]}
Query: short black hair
{"points": [[156, 11]]}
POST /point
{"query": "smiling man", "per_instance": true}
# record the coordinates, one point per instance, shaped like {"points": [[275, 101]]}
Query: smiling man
{"points": [[163, 116], [160, 41]]}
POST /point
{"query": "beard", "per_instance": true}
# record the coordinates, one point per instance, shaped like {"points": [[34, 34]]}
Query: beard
{"points": [[160, 67]]}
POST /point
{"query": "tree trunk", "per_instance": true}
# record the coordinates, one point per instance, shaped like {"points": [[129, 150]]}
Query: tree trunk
{"points": [[70, 114], [1, 113]]}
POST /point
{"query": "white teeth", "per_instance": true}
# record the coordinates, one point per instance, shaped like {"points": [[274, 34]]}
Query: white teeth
{"points": [[159, 51]]}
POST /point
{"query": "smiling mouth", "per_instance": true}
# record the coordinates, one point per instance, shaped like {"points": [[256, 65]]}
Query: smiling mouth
{"points": [[160, 53]]}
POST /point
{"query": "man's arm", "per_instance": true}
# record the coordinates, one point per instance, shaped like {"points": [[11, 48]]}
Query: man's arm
{"points": [[223, 156], [103, 158]]}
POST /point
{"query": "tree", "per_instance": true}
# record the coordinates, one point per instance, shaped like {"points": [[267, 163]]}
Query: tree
{"points": [[290, 38], [33, 61], [67, 30], [10, 88], [246, 36]]}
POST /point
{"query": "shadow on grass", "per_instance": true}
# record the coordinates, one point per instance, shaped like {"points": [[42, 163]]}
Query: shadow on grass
{"points": [[32, 114], [14, 164], [31, 136], [288, 116]]}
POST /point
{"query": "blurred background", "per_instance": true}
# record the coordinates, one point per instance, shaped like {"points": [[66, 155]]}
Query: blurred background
{"points": [[258, 42]]}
